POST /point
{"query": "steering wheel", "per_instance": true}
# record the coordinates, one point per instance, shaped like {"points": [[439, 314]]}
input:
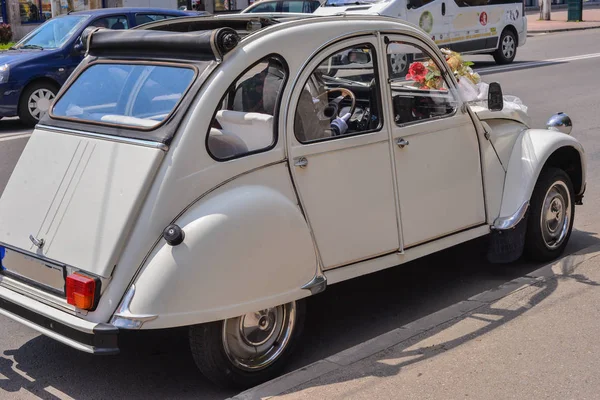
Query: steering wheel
{"points": [[332, 109]]}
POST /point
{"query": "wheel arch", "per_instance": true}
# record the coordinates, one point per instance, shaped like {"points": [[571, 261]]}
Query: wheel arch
{"points": [[38, 79], [535, 150], [245, 248]]}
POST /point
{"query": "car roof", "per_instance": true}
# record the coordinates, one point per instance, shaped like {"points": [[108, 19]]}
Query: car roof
{"points": [[129, 10]]}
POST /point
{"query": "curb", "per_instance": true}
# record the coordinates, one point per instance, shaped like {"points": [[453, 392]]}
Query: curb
{"points": [[562, 30], [284, 383]]}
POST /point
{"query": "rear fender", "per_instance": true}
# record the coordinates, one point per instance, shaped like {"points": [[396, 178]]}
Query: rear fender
{"points": [[245, 248]]}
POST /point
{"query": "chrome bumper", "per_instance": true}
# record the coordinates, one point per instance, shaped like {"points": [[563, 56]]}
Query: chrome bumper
{"points": [[75, 332]]}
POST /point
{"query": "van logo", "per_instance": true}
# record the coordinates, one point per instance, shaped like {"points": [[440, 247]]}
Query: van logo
{"points": [[37, 242]]}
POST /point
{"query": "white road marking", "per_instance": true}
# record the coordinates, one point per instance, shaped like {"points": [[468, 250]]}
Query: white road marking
{"points": [[540, 63], [14, 137]]}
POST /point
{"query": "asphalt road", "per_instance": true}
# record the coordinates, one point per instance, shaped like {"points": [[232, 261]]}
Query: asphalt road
{"points": [[157, 364]]}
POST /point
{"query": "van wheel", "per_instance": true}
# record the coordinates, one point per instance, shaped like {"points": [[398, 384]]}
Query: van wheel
{"points": [[551, 216], [398, 64], [35, 102], [507, 50], [245, 351]]}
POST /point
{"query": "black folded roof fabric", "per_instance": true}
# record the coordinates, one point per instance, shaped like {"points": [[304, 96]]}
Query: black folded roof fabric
{"points": [[200, 45]]}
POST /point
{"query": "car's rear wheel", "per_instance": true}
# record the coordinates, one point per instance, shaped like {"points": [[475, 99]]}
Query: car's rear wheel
{"points": [[248, 350], [551, 216], [35, 102]]}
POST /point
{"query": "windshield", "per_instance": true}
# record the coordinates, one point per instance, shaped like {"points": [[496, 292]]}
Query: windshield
{"points": [[52, 34], [338, 3], [134, 95]]}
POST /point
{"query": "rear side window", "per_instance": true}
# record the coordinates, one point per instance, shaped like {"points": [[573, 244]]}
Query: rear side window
{"points": [[134, 95], [265, 7], [294, 6], [245, 121]]}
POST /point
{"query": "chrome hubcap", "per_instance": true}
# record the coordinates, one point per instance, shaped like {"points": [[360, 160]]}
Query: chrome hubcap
{"points": [[255, 340], [39, 102], [556, 215], [398, 62], [508, 46]]}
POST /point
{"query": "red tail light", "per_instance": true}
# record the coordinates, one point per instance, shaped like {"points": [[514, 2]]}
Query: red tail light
{"points": [[81, 291]]}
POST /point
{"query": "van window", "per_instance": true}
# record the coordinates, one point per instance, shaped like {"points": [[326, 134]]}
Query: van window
{"points": [[418, 3], [134, 95], [293, 6]]}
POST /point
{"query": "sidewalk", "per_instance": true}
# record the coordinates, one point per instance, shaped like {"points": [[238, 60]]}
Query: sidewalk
{"points": [[534, 337], [558, 22]]}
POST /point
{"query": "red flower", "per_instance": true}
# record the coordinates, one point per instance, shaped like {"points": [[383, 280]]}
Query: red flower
{"points": [[417, 72]]}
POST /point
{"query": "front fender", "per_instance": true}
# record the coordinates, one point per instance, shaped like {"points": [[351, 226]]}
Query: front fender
{"points": [[246, 248], [531, 152]]}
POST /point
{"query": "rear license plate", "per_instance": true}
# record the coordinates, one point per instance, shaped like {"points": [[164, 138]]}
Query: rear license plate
{"points": [[33, 271]]}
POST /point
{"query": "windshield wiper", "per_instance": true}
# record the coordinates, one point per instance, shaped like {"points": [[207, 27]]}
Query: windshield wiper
{"points": [[32, 46]]}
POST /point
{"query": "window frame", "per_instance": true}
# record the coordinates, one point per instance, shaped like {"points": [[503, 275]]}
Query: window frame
{"points": [[449, 83], [276, 116], [373, 51], [78, 74]]}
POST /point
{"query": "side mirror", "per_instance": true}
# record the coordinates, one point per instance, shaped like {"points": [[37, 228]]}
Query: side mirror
{"points": [[78, 48], [495, 99], [358, 57]]}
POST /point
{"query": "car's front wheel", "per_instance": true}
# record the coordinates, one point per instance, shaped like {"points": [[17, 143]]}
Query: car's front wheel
{"points": [[398, 64], [507, 49], [35, 102], [550, 221], [248, 350]]}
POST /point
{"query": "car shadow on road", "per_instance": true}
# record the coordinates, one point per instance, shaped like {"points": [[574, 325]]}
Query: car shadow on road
{"points": [[158, 364]]}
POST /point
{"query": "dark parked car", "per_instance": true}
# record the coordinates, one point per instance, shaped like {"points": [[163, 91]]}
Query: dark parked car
{"points": [[33, 70]]}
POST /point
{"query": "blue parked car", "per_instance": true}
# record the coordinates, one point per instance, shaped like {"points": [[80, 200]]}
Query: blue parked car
{"points": [[33, 70]]}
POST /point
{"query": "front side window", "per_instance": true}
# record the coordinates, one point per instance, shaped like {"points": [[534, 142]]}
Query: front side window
{"points": [[133, 95], [341, 97], [245, 120], [112, 22], [421, 94], [52, 34]]}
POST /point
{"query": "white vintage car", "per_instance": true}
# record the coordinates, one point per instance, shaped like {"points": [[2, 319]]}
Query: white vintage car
{"points": [[209, 172]]}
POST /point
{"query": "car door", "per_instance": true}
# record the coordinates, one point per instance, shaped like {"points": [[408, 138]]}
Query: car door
{"points": [[344, 181], [436, 153]]}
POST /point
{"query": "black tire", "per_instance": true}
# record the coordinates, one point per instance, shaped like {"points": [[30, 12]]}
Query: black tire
{"points": [[26, 117], [208, 351], [503, 54], [535, 245]]}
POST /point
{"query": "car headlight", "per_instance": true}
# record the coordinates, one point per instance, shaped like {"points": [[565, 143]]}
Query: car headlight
{"points": [[4, 71], [560, 122]]}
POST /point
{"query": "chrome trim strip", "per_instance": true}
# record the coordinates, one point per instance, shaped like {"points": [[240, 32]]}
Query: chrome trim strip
{"points": [[512, 220], [118, 139], [317, 284], [123, 318]]}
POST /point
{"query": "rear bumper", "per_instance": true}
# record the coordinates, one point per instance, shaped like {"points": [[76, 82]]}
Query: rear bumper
{"points": [[75, 332]]}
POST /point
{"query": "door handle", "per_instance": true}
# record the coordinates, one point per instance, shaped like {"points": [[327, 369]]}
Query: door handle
{"points": [[443, 8], [301, 162], [401, 142]]}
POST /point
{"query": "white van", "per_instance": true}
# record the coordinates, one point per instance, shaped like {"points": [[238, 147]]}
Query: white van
{"points": [[495, 27]]}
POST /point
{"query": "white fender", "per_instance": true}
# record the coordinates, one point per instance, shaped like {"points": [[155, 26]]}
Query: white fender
{"points": [[246, 248], [530, 153]]}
